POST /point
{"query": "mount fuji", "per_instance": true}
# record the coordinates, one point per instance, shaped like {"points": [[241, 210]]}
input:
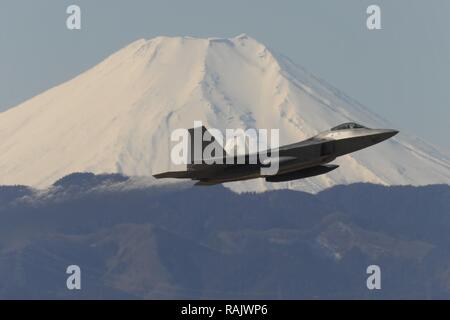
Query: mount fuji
{"points": [[118, 116]]}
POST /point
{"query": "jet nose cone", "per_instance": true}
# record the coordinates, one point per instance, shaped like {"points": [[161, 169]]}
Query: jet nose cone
{"points": [[390, 133], [384, 134]]}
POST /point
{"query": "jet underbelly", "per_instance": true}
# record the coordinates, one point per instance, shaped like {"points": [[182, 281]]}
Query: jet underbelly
{"points": [[308, 156]]}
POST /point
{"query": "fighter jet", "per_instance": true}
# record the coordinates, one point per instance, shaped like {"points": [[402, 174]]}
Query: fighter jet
{"points": [[299, 160]]}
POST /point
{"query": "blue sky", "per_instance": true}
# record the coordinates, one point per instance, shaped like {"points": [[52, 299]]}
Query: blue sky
{"points": [[401, 72]]}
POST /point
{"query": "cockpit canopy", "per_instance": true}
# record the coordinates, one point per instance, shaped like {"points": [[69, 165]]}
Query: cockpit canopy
{"points": [[348, 125]]}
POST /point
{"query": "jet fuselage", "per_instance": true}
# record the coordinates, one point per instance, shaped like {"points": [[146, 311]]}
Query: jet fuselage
{"points": [[295, 161]]}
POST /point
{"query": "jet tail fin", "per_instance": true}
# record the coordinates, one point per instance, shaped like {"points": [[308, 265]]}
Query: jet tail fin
{"points": [[204, 138]]}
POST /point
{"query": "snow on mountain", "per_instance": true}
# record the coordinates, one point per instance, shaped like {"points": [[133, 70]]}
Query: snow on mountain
{"points": [[118, 116]]}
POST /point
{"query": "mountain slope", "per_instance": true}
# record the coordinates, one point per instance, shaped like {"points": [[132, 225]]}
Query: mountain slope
{"points": [[118, 116]]}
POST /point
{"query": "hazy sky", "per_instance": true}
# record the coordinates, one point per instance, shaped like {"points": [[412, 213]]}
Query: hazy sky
{"points": [[401, 72]]}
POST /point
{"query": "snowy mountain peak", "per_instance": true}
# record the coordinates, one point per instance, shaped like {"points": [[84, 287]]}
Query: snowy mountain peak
{"points": [[117, 117]]}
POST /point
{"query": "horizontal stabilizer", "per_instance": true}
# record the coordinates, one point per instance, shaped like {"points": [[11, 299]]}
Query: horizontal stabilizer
{"points": [[172, 174], [208, 182]]}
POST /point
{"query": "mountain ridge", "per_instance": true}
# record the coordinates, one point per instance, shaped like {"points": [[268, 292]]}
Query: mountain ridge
{"points": [[162, 242]]}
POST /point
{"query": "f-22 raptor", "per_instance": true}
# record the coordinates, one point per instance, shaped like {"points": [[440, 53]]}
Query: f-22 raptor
{"points": [[299, 160]]}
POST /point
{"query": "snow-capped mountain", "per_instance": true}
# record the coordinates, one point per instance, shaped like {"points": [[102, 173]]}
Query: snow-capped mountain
{"points": [[118, 116]]}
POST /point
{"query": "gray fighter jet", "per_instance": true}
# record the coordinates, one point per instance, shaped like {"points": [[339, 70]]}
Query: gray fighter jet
{"points": [[300, 160]]}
